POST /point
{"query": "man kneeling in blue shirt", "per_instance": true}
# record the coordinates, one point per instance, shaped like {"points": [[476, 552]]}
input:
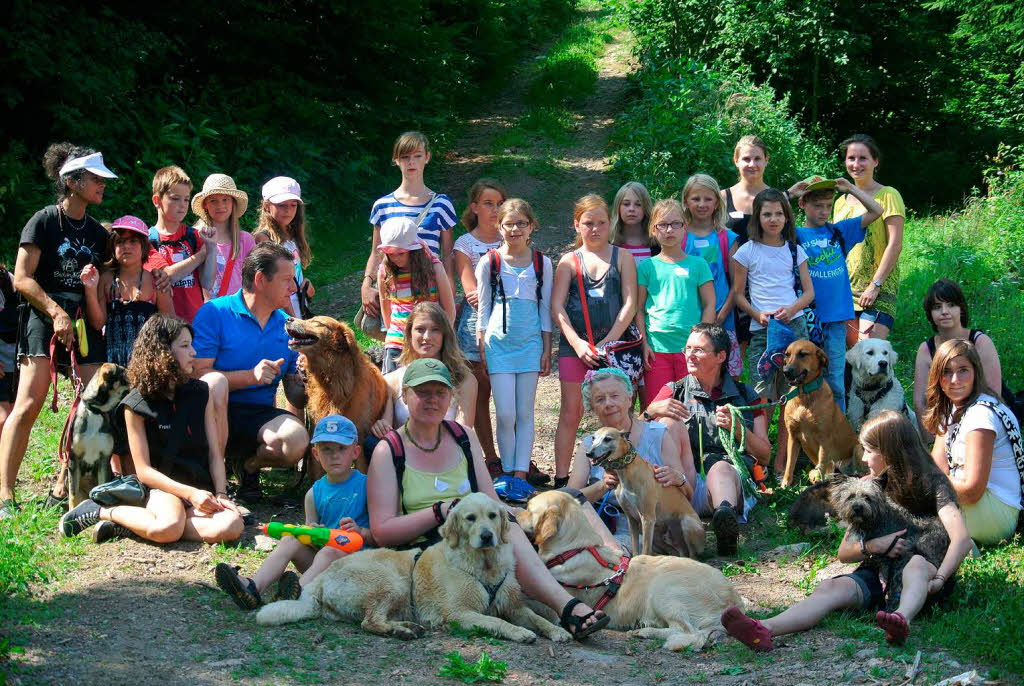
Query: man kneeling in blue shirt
{"points": [[243, 337]]}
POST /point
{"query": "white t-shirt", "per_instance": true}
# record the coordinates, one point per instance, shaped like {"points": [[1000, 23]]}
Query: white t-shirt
{"points": [[1003, 480], [474, 248], [770, 276]]}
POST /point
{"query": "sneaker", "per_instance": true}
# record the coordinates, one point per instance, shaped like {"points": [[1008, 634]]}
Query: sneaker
{"points": [[535, 476], [727, 529], [517, 490], [242, 591], [249, 487], [109, 531], [9, 508], [288, 586], [561, 481], [84, 515]]}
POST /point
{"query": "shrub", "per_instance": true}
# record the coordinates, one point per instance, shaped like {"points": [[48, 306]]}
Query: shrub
{"points": [[685, 117]]}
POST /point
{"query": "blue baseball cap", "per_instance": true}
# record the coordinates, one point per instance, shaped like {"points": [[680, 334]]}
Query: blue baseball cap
{"points": [[335, 429]]}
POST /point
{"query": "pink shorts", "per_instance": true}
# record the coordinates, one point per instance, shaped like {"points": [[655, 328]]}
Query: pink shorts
{"points": [[571, 369], [667, 367]]}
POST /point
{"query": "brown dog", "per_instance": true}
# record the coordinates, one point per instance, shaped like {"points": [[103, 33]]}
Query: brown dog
{"points": [[813, 419], [340, 378], [645, 501]]}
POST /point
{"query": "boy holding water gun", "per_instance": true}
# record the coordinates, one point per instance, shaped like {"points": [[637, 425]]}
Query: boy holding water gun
{"points": [[337, 500]]}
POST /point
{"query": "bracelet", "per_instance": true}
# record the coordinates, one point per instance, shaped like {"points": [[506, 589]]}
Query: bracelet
{"points": [[683, 478], [939, 576]]}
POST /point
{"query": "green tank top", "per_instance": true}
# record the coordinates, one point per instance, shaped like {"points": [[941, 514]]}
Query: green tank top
{"points": [[421, 490]]}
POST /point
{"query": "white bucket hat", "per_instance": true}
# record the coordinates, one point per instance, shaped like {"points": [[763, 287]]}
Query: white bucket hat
{"points": [[220, 184], [399, 232], [280, 189]]}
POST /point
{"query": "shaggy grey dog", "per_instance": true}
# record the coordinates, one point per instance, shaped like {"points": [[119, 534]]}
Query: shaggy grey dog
{"points": [[869, 513]]}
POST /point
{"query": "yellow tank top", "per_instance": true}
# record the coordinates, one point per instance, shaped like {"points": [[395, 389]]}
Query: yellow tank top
{"points": [[420, 490]]}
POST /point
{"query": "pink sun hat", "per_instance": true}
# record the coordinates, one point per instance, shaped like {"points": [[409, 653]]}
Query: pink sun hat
{"points": [[131, 223]]}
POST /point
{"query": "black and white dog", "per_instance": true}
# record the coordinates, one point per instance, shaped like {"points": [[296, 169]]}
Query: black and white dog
{"points": [[92, 432]]}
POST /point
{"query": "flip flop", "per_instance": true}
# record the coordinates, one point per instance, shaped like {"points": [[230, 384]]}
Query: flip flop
{"points": [[895, 626], [574, 624], [244, 593], [747, 630]]}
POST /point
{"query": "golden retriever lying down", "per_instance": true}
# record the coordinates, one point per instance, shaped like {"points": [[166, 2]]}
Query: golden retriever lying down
{"points": [[677, 599], [468, 578]]}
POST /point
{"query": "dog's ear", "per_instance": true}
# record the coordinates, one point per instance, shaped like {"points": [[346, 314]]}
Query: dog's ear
{"points": [[895, 357], [851, 356], [451, 530], [546, 525], [822, 357], [503, 516]]}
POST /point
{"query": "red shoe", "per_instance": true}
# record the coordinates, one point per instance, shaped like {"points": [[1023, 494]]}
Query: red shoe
{"points": [[750, 632], [895, 625], [494, 468]]}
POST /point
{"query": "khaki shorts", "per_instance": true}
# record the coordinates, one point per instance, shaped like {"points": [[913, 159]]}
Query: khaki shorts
{"points": [[990, 520]]}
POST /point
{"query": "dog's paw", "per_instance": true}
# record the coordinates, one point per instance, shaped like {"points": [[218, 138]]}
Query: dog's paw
{"points": [[814, 475], [559, 635], [521, 635], [405, 631]]}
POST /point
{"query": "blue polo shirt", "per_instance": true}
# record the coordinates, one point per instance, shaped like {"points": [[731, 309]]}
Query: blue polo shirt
{"points": [[227, 332]]}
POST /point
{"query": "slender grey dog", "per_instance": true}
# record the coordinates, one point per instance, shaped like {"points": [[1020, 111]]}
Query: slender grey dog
{"points": [[870, 513]]}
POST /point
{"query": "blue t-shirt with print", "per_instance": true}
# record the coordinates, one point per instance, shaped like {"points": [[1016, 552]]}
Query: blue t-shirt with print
{"points": [[710, 248], [826, 261], [334, 502], [440, 217]]}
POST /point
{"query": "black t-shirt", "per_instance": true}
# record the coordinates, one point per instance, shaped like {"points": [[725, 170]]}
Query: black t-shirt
{"points": [[936, 494], [176, 432], [65, 250]]}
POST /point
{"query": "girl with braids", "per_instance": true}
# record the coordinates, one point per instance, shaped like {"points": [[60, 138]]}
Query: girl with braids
{"points": [[167, 417], [57, 243]]}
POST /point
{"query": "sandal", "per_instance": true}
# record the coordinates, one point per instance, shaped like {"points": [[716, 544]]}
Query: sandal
{"points": [[895, 625], [747, 630], [574, 624], [244, 593], [54, 501], [288, 586], [9, 508]]}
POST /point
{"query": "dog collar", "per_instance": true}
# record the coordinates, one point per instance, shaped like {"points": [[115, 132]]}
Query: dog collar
{"points": [[624, 461], [803, 389]]}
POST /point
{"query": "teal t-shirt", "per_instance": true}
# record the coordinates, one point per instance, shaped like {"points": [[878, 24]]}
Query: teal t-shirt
{"points": [[673, 299]]}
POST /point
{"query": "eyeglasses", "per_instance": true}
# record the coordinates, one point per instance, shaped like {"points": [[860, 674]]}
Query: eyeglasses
{"points": [[692, 350], [522, 224], [664, 226]]}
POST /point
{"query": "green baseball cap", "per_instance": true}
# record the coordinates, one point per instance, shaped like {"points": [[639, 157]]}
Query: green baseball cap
{"points": [[425, 370], [818, 183]]}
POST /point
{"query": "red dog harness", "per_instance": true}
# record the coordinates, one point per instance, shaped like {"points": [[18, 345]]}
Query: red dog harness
{"points": [[614, 582]]}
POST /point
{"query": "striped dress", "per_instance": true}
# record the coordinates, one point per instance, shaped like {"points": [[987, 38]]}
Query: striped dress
{"points": [[402, 301]]}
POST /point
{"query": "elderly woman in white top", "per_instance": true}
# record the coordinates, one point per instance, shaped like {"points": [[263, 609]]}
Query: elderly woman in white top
{"points": [[609, 394], [977, 442]]}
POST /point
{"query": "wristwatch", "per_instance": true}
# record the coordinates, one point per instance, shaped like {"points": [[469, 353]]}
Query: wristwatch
{"points": [[864, 550], [877, 284], [647, 416]]}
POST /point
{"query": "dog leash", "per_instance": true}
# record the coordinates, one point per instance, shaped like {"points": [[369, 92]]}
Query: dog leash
{"points": [[64, 446], [613, 582]]}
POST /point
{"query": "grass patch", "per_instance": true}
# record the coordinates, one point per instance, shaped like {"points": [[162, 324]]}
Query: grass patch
{"points": [[568, 73]]}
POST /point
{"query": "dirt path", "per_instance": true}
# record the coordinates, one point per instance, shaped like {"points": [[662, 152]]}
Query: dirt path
{"points": [[140, 613]]}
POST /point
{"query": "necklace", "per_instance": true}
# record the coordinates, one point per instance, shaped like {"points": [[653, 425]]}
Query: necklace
{"points": [[405, 430], [71, 223]]}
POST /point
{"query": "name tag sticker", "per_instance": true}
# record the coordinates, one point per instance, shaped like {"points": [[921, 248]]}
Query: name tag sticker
{"points": [[441, 486], [682, 271], [594, 293], [701, 242], [464, 487], [736, 214]]}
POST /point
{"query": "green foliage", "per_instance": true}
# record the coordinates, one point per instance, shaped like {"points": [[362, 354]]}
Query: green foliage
{"points": [[484, 669], [568, 72], [937, 90], [475, 632], [686, 118], [313, 90], [33, 552]]}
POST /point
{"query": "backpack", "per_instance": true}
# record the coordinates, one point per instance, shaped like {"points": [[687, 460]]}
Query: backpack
{"points": [[190, 239], [494, 262]]}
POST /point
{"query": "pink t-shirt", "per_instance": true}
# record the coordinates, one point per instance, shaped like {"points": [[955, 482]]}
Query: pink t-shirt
{"points": [[245, 245]]}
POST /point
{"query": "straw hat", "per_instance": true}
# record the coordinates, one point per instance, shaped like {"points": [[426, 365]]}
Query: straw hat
{"points": [[220, 184]]}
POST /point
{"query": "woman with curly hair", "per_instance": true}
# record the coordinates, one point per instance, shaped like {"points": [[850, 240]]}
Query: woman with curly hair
{"points": [[167, 417]]}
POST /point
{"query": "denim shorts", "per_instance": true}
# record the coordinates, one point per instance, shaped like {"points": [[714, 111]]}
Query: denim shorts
{"points": [[871, 592], [878, 317], [465, 332]]}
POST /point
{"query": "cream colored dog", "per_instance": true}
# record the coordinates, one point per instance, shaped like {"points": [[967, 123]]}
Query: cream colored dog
{"points": [[673, 598], [645, 501], [468, 578]]}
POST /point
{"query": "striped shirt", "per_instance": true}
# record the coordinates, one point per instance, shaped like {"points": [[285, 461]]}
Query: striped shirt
{"points": [[402, 301], [639, 252], [441, 217]]}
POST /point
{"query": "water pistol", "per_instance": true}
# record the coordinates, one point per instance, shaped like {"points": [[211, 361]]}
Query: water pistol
{"points": [[345, 540]]}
